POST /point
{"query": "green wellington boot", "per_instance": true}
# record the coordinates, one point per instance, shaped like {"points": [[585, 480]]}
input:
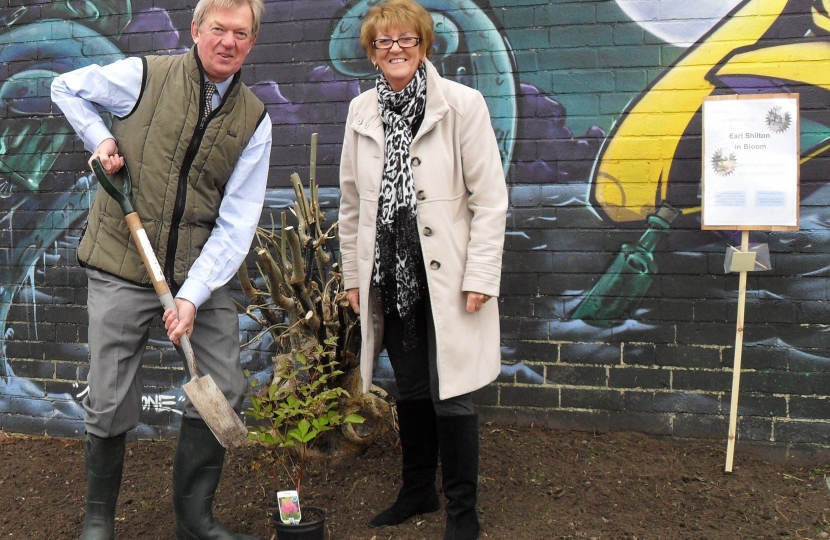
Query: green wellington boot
{"points": [[197, 467], [104, 465]]}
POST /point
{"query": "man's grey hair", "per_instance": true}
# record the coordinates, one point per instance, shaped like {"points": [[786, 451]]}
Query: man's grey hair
{"points": [[205, 6]]}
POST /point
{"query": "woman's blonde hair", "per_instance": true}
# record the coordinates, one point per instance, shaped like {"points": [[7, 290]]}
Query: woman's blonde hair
{"points": [[205, 6], [399, 14]]}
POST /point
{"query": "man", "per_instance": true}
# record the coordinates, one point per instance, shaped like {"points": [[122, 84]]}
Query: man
{"points": [[197, 143]]}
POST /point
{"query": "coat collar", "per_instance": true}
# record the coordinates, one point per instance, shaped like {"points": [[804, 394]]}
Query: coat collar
{"points": [[366, 119], [437, 105]]}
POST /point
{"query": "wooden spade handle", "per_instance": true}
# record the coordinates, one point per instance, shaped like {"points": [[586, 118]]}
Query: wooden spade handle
{"points": [[142, 242]]}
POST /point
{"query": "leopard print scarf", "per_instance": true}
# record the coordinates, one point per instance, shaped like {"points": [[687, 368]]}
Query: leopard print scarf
{"points": [[399, 268]]}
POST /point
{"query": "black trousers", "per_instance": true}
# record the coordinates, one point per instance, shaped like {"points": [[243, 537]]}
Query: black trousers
{"points": [[415, 368]]}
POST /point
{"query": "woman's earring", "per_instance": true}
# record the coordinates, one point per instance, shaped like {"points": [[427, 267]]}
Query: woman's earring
{"points": [[376, 67]]}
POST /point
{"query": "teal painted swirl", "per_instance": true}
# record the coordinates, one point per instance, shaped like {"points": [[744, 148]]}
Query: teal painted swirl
{"points": [[32, 136]]}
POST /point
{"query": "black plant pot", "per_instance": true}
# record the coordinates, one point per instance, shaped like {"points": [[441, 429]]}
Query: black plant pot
{"points": [[312, 527]]}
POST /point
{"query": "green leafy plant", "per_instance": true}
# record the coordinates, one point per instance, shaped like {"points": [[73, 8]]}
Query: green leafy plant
{"points": [[298, 406]]}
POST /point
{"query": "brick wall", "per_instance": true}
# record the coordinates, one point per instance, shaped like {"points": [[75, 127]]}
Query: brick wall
{"points": [[586, 345]]}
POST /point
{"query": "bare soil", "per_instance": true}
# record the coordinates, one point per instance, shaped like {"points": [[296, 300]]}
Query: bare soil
{"points": [[534, 484]]}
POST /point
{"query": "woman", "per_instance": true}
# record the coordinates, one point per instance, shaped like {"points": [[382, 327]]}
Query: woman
{"points": [[422, 219]]}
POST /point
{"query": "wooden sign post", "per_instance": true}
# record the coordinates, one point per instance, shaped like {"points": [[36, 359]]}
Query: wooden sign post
{"points": [[749, 183]]}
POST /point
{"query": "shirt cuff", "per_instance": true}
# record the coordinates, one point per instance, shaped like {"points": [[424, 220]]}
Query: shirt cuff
{"points": [[194, 291], [95, 134]]}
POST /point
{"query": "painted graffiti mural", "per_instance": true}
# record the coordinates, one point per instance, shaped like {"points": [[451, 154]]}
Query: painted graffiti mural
{"points": [[596, 108], [42, 210]]}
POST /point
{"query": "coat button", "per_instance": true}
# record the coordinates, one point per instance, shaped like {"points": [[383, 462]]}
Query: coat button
{"points": [[427, 231], [416, 161], [421, 195], [435, 265], [359, 122]]}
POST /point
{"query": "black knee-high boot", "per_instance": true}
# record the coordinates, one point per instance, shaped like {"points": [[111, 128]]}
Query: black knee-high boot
{"points": [[458, 439], [197, 467], [419, 445], [104, 465]]}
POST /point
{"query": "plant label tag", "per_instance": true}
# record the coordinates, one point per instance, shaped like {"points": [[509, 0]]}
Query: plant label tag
{"points": [[289, 504]]}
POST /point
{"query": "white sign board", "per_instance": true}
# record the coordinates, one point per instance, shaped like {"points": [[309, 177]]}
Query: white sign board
{"points": [[750, 162]]}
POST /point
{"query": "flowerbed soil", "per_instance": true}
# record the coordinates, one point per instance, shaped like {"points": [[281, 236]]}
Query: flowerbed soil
{"points": [[534, 484]]}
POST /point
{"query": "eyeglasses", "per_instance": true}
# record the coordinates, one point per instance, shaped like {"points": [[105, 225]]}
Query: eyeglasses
{"points": [[403, 43]]}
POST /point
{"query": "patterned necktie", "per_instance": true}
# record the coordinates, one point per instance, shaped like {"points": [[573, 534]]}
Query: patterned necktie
{"points": [[210, 88]]}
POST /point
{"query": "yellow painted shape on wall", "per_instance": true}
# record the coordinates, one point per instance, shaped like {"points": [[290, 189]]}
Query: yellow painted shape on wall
{"points": [[673, 100], [807, 63], [821, 20]]}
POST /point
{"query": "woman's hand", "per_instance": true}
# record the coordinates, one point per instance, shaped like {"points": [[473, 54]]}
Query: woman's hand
{"points": [[353, 296], [475, 301]]}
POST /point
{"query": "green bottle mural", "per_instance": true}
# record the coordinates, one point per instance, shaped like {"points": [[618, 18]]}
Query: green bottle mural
{"points": [[630, 275]]}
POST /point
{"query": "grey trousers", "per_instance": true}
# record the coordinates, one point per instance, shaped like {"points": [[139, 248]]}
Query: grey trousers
{"points": [[120, 314], [415, 368]]}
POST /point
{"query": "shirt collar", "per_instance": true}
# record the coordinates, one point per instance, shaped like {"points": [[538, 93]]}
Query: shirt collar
{"points": [[222, 87]]}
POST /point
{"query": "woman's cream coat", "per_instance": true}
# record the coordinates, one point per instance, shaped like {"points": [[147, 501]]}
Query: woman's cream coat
{"points": [[462, 206]]}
